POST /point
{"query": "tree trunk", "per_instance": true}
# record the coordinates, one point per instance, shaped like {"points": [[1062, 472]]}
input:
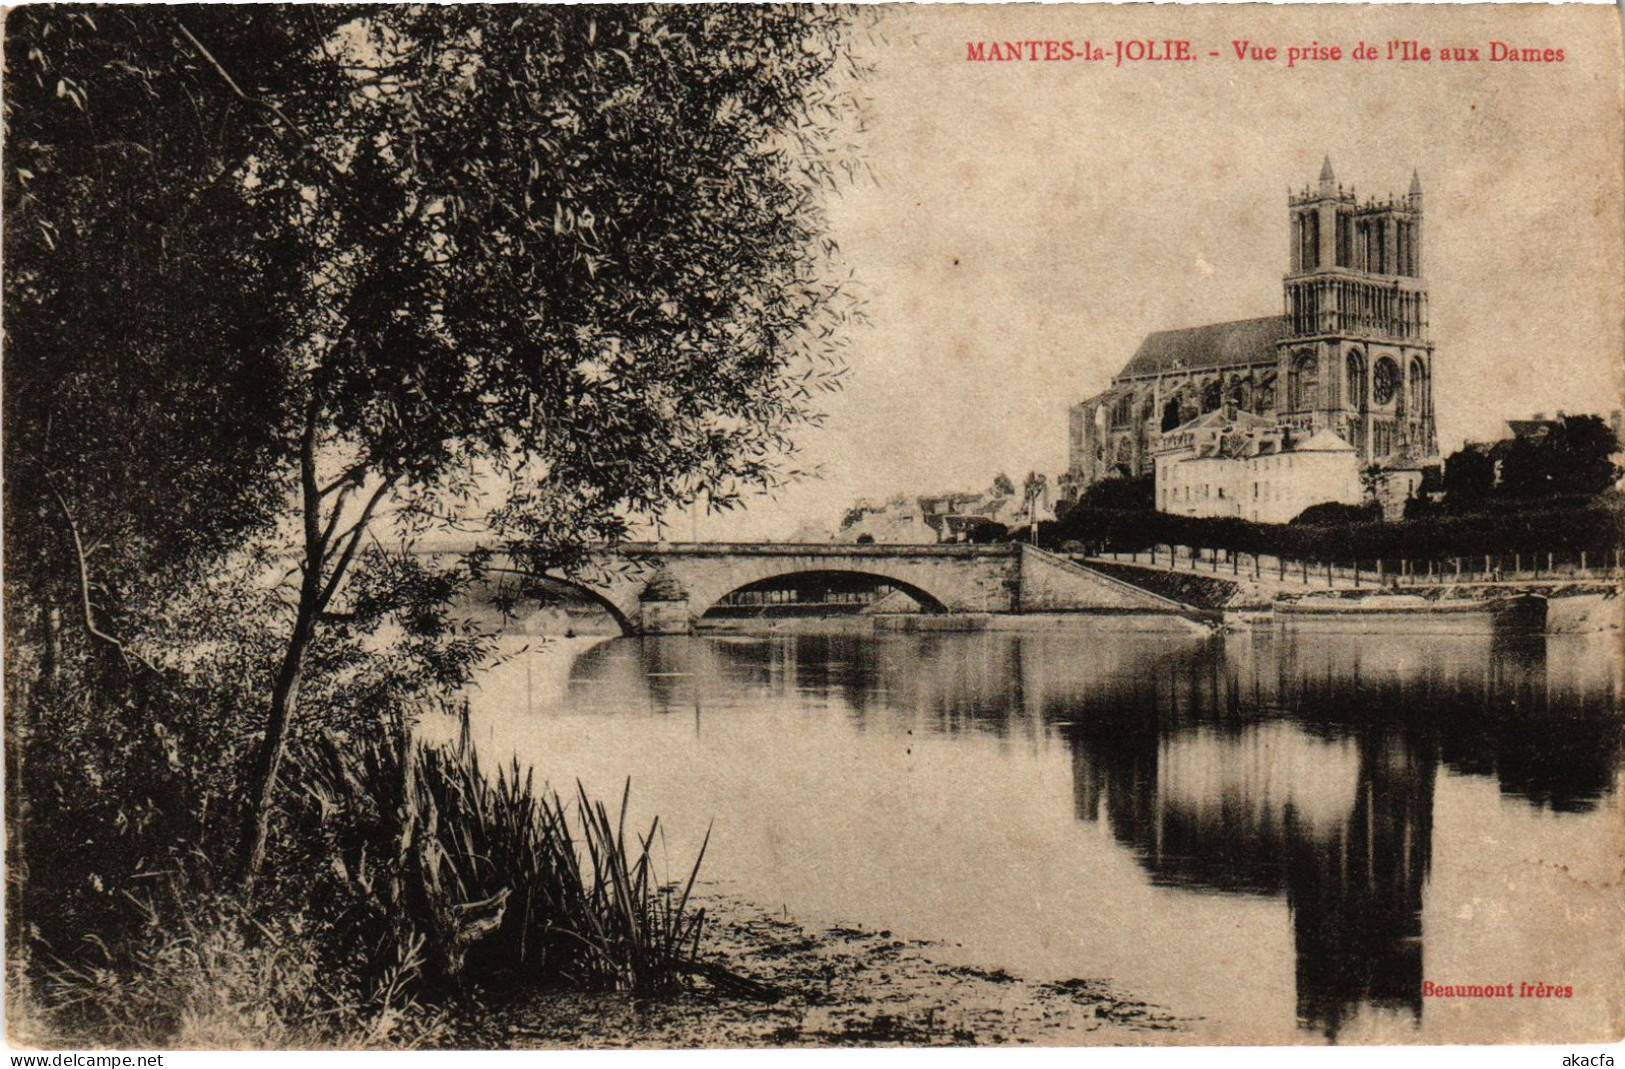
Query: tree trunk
{"points": [[284, 697], [320, 583], [285, 691]]}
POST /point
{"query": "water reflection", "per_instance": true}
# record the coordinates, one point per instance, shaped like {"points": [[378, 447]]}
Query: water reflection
{"points": [[1283, 766]]}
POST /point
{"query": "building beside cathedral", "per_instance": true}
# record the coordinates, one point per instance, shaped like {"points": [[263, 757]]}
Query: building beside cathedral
{"points": [[1234, 463], [1345, 371]]}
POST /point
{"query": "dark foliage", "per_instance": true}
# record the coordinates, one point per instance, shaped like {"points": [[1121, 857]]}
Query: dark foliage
{"points": [[1124, 494], [1574, 457], [1337, 514], [1469, 472], [981, 531], [1595, 527]]}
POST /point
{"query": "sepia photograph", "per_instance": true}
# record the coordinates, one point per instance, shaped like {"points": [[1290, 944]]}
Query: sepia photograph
{"points": [[668, 526]]}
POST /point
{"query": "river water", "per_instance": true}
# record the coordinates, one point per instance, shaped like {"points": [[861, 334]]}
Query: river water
{"points": [[1278, 836]]}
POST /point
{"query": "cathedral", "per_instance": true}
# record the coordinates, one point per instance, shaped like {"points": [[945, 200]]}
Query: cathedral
{"points": [[1349, 354]]}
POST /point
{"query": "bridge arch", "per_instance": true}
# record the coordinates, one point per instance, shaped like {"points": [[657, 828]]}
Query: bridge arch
{"points": [[598, 597], [1526, 611], [927, 601]]}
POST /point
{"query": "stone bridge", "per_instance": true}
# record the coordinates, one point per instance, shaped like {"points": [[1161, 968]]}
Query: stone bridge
{"points": [[664, 587]]}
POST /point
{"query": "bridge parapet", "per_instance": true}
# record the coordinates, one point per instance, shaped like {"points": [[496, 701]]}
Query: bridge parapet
{"points": [[861, 550]]}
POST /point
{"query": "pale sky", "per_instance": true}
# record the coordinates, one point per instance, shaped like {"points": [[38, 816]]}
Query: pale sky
{"points": [[1031, 222]]}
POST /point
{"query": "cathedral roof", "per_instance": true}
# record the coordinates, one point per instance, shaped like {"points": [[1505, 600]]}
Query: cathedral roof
{"points": [[1245, 341]]}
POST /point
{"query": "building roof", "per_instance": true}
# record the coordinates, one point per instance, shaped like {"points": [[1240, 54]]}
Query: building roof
{"points": [[1245, 341], [1323, 441], [1241, 434], [1532, 428], [1224, 420], [1224, 432]]}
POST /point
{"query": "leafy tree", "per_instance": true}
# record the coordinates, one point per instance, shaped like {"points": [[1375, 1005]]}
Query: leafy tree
{"points": [[1574, 456], [1338, 514], [566, 261], [142, 379], [144, 422], [1034, 486], [1002, 486], [1135, 493], [1469, 471], [983, 531]]}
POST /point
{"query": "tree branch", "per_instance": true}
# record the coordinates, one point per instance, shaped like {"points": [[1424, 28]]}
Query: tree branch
{"points": [[307, 483], [351, 476], [231, 83], [353, 537], [333, 520], [84, 591]]}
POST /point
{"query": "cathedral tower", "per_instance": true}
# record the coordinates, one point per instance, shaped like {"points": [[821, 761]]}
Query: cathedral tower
{"points": [[1356, 357]]}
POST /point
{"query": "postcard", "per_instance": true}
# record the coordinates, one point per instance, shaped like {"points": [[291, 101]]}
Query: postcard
{"points": [[768, 526]]}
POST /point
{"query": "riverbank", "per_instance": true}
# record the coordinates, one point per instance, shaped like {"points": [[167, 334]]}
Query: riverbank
{"points": [[835, 986]]}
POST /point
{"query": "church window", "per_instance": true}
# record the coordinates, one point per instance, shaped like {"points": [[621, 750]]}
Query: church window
{"points": [[1123, 412], [1309, 240], [1384, 381], [1305, 382], [1211, 396], [1170, 415], [1419, 387], [1356, 381], [1407, 248]]}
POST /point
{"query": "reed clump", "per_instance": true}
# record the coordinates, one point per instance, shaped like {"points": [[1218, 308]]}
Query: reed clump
{"points": [[459, 876]]}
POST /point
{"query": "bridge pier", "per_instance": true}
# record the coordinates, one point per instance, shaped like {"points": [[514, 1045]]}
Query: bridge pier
{"points": [[664, 616]]}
